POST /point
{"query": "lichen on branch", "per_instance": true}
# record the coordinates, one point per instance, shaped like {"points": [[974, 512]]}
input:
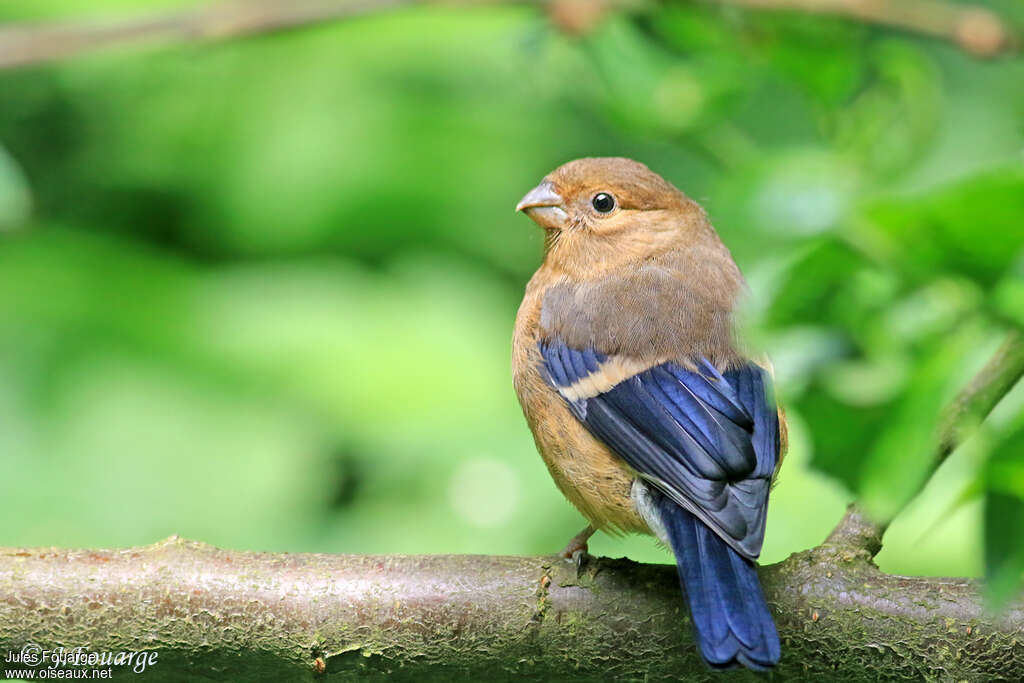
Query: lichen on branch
{"points": [[220, 615]]}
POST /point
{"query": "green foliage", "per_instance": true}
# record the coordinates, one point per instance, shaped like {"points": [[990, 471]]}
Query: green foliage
{"points": [[15, 200], [260, 293], [1003, 482], [972, 228], [1004, 557]]}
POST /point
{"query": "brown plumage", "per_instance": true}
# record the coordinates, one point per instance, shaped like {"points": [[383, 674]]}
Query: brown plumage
{"points": [[651, 282], [627, 331]]}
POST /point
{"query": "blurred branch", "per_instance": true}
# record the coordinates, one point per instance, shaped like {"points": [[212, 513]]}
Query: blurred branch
{"points": [[31, 43], [976, 29], [218, 615], [1000, 374]]}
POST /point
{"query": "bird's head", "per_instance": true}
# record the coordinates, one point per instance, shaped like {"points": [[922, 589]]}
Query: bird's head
{"points": [[608, 200], [599, 194]]}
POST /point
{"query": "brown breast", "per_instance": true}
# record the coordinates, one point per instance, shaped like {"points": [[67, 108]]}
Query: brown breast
{"points": [[590, 475]]}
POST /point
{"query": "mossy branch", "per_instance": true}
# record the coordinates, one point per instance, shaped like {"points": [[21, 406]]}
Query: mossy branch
{"points": [[211, 614]]}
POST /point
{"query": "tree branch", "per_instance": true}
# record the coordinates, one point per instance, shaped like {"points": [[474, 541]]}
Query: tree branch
{"points": [[975, 29], [31, 43], [218, 615], [1000, 374], [855, 532]]}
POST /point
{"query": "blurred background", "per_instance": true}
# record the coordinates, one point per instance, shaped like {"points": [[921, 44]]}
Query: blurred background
{"points": [[260, 293]]}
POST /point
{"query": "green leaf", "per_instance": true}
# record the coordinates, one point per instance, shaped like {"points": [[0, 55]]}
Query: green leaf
{"points": [[840, 432], [889, 124], [1009, 295], [1004, 546], [973, 227], [647, 88], [902, 457], [813, 284], [15, 199]]}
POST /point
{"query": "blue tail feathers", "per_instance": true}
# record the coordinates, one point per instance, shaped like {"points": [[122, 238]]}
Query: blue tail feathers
{"points": [[730, 616]]}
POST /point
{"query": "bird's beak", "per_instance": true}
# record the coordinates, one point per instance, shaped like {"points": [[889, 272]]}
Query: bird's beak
{"points": [[544, 207]]}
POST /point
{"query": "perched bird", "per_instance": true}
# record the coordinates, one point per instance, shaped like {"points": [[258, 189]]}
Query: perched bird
{"points": [[648, 414]]}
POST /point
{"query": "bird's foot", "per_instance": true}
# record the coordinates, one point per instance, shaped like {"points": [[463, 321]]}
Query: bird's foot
{"points": [[577, 548], [580, 559]]}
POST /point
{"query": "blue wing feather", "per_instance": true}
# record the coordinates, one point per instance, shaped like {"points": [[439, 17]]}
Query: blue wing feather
{"points": [[730, 615], [708, 440]]}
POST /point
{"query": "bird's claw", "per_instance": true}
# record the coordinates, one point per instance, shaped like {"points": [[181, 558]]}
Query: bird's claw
{"points": [[577, 544], [580, 557], [572, 550]]}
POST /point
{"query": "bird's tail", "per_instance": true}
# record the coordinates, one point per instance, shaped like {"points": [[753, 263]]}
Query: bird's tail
{"points": [[730, 615]]}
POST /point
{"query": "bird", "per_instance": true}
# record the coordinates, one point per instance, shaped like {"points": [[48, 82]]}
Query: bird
{"points": [[648, 412]]}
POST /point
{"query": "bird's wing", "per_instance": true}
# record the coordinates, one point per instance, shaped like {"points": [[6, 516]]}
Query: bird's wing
{"points": [[708, 440]]}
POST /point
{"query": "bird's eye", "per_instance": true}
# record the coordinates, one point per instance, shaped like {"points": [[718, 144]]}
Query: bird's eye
{"points": [[603, 202]]}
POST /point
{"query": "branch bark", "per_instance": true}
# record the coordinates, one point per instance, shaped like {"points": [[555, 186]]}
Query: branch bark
{"points": [[975, 29], [217, 615]]}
